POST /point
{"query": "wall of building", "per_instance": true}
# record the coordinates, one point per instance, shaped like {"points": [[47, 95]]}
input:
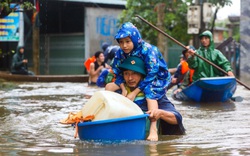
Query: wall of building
{"points": [[218, 36], [100, 26], [245, 42]]}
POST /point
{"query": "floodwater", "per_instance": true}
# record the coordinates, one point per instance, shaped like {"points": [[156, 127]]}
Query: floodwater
{"points": [[30, 116]]}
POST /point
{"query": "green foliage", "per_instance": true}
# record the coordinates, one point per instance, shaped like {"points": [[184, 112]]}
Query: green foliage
{"points": [[225, 34], [5, 9], [221, 3], [175, 19], [5, 5], [27, 6], [236, 34]]}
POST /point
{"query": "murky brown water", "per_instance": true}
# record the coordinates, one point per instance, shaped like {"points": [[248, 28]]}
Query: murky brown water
{"points": [[30, 115]]}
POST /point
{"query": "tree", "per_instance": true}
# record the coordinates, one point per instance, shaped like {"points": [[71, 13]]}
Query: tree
{"points": [[175, 22], [218, 4], [5, 8], [175, 18]]}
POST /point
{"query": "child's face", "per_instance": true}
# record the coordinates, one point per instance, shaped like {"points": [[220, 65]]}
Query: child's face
{"points": [[205, 41], [126, 44]]}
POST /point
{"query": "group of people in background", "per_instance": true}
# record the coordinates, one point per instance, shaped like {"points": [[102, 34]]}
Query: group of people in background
{"points": [[140, 73]]}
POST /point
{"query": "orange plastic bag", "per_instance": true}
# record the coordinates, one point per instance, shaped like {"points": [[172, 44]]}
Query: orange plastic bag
{"points": [[75, 118], [88, 62]]}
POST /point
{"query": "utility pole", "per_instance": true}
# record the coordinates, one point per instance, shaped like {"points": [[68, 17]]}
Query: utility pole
{"points": [[196, 41], [205, 15]]}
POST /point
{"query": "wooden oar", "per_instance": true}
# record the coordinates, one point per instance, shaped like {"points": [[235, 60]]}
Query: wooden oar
{"points": [[204, 59]]}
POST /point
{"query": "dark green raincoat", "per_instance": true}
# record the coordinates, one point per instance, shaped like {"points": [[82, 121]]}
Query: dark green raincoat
{"points": [[204, 69], [17, 66]]}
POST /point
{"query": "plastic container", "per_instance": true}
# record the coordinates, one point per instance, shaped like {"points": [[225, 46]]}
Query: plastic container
{"points": [[125, 128], [105, 105]]}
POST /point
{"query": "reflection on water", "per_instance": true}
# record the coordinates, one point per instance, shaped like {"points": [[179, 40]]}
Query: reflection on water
{"points": [[30, 116]]}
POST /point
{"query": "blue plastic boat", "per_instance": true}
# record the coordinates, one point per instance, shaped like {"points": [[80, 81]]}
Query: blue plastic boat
{"points": [[215, 89], [118, 129]]}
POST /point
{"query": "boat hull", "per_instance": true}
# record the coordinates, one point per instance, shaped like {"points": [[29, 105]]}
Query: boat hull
{"points": [[215, 89], [44, 78]]}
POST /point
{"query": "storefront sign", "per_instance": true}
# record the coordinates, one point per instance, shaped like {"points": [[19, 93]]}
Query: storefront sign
{"points": [[9, 27]]}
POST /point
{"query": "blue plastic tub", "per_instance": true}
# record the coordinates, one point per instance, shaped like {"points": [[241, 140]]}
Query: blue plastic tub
{"points": [[126, 128]]}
